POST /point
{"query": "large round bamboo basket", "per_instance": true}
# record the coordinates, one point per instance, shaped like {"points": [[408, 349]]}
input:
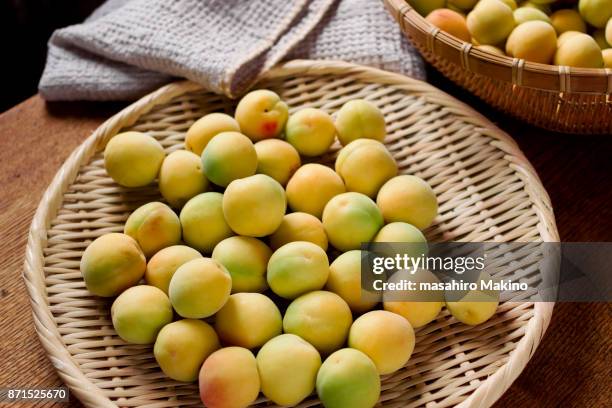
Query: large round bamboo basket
{"points": [[559, 98], [487, 192]]}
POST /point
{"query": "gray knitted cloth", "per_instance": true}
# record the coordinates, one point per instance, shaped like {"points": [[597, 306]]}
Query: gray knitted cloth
{"points": [[128, 48]]}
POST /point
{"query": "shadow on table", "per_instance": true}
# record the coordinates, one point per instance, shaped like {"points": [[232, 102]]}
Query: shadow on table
{"points": [[84, 109]]}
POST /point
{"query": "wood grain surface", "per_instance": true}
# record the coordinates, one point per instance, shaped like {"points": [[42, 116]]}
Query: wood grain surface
{"points": [[571, 368]]}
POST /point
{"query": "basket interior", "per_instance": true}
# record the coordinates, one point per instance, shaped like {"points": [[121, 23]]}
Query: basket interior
{"points": [[483, 196]]}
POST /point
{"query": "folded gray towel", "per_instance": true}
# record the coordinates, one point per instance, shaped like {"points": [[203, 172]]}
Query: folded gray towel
{"points": [[128, 48]]}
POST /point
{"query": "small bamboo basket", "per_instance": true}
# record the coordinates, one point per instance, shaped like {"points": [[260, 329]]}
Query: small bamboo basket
{"points": [[558, 98], [486, 188]]}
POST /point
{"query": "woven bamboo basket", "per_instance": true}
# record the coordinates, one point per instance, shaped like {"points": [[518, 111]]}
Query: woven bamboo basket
{"points": [[486, 188], [559, 98]]}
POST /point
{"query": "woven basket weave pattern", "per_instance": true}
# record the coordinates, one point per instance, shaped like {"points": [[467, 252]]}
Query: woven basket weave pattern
{"points": [[486, 189], [571, 100]]}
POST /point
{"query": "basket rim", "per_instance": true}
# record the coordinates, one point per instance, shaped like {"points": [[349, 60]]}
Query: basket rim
{"points": [[90, 395], [519, 72]]}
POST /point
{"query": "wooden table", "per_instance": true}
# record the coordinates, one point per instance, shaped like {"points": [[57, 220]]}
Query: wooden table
{"points": [[572, 367]]}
